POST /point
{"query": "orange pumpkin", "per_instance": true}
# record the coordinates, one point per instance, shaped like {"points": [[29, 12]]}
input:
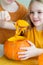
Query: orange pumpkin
{"points": [[40, 59], [11, 48]]}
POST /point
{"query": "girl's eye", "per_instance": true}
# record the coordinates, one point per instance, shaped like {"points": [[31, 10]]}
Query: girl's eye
{"points": [[31, 12], [40, 12]]}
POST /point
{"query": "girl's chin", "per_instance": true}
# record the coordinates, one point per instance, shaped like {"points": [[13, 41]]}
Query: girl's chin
{"points": [[37, 25]]}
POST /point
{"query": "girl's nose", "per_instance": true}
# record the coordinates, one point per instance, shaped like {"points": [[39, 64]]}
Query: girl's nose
{"points": [[35, 15]]}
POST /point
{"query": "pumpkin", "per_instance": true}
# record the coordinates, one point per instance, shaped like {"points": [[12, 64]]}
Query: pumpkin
{"points": [[40, 59], [12, 48]]}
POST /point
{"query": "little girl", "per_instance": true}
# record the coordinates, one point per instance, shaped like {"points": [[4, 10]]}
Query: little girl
{"points": [[10, 12], [35, 34]]}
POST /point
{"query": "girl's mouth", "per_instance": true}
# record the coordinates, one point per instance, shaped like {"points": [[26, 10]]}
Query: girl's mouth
{"points": [[36, 20]]}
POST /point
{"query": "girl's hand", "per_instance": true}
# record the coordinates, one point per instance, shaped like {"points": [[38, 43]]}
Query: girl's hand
{"points": [[29, 52]]}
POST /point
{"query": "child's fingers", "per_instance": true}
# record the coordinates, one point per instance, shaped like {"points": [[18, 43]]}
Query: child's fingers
{"points": [[24, 48], [27, 48], [22, 52], [24, 58], [32, 44]]}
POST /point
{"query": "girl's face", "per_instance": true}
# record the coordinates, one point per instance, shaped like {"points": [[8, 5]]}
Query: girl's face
{"points": [[36, 13], [8, 1]]}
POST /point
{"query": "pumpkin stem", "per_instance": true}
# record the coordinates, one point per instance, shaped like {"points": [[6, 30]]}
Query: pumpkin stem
{"points": [[21, 27]]}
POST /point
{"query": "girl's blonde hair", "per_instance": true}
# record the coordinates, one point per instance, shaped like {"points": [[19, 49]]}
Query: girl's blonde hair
{"points": [[41, 1]]}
